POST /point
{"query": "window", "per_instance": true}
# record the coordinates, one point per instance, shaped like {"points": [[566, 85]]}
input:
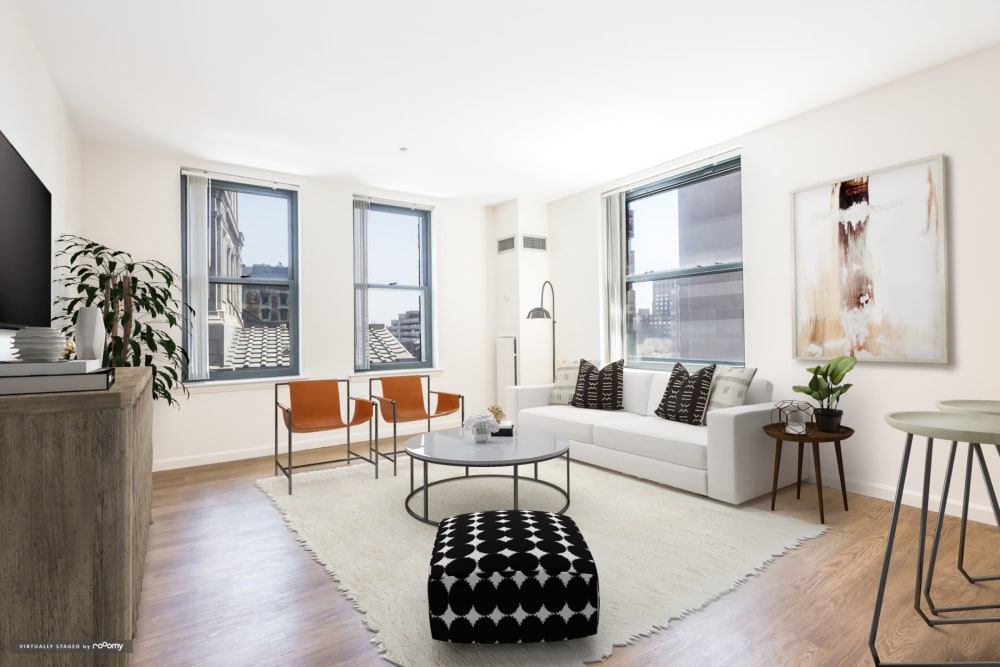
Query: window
{"points": [[684, 269], [240, 278], [392, 286]]}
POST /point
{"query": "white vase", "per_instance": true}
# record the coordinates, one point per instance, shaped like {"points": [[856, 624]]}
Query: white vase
{"points": [[89, 334], [480, 433]]}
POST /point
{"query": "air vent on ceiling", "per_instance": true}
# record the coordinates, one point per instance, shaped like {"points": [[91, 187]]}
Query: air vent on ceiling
{"points": [[505, 245], [533, 242]]}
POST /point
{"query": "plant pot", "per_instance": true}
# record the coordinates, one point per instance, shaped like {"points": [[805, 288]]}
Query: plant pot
{"points": [[827, 420]]}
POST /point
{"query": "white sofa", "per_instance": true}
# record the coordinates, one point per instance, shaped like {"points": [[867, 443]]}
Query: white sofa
{"points": [[729, 459]]}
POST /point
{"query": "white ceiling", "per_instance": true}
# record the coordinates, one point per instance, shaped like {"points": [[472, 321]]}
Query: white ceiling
{"points": [[532, 99]]}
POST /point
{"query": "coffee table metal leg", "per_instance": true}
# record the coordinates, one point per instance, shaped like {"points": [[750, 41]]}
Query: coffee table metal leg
{"points": [[425, 491], [515, 487], [567, 479]]}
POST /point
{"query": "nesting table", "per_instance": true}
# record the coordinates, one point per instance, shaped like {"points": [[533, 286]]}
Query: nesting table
{"points": [[956, 423]]}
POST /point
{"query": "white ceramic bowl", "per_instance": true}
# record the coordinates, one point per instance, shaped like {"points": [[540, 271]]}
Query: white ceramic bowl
{"points": [[39, 344]]}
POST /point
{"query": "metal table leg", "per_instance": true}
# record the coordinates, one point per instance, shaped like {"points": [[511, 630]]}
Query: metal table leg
{"points": [[515, 486], [893, 523]]}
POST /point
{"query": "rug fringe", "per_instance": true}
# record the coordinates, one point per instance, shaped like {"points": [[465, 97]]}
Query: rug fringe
{"points": [[739, 583]]}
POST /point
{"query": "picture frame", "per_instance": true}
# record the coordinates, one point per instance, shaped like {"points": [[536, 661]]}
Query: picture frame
{"points": [[870, 266]]}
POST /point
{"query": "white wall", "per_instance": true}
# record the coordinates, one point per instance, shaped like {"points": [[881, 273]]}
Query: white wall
{"points": [[951, 110], [132, 202], [520, 275], [34, 119]]}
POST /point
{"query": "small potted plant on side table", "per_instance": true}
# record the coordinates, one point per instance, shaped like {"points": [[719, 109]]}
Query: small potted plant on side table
{"points": [[826, 388]]}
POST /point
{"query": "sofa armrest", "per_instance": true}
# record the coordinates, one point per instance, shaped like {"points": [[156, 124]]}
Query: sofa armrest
{"points": [[520, 397], [741, 455]]}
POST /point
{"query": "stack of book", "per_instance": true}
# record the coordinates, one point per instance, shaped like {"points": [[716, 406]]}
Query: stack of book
{"points": [[24, 377]]}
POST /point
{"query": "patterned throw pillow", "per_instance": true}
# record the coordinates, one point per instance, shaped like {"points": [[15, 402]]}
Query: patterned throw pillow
{"points": [[729, 387], [686, 396], [599, 389], [565, 386]]}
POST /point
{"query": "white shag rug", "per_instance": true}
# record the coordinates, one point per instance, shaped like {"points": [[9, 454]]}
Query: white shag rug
{"points": [[661, 554]]}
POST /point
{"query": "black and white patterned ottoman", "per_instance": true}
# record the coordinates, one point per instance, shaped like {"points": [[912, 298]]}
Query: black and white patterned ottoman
{"points": [[511, 576]]}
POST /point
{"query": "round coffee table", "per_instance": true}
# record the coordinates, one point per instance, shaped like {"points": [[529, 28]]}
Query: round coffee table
{"points": [[454, 447]]}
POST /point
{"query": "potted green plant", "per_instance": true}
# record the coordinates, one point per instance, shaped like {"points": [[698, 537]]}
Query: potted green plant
{"points": [[137, 302], [826, 388]]}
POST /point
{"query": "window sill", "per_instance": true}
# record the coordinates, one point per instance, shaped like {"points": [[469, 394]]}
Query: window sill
{"points": [[364, 376], [249, 384]]}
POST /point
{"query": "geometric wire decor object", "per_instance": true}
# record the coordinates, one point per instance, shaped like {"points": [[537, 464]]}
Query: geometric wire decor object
{"points": [[870, 266], [793, 414]]}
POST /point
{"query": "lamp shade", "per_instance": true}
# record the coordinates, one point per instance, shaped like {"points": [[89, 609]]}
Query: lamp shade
{"points": [[539, 313]]}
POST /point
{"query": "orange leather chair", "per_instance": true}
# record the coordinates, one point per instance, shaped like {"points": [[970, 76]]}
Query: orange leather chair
{"points": [[402, 400], [315, 405]]}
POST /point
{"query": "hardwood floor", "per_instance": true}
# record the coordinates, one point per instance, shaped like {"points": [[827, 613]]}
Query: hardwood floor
{"points": [[226, 583]]}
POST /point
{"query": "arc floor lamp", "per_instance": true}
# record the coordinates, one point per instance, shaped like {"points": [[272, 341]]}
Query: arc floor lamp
{"points": [[541, 313]]}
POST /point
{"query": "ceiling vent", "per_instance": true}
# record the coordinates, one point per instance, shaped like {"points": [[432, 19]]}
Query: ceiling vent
{"points": [[533, 242], [505, 245]]}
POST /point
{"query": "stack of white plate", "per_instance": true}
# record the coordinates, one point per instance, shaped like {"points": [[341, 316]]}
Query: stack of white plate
{"points": [[39, 344]]}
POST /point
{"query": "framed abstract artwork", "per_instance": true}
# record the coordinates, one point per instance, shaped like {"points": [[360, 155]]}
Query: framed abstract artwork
{"points": [[871, 266]]}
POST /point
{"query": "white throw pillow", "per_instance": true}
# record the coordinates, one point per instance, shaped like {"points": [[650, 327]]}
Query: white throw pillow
{"points": [[566, 373], [729, 387]]}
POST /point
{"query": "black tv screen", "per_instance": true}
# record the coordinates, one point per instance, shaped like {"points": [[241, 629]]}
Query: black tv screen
{"points": [[25, 243]]}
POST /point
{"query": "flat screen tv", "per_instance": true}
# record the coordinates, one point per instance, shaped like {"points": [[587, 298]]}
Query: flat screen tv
{"points": [[25, 243]]}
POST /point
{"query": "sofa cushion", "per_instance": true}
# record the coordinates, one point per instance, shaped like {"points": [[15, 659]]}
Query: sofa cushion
{"points": [[730, 385], [569, 422], [657, 385], [635, 390], [565, 382], [760, 391], [599, 389], [687, 395], [656, 438]]}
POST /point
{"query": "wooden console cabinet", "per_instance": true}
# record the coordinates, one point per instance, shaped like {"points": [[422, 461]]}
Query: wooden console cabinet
{"points": [[75, 497]]}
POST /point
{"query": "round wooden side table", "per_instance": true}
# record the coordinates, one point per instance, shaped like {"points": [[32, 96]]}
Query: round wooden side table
{"points": [[816, 437]]}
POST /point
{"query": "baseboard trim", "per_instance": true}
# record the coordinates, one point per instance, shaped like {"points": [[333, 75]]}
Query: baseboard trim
{"points": [[302, 443], [977, 512]]}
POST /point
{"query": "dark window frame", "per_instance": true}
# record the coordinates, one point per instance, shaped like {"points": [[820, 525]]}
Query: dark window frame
{"points": [[707, 172], [424, 289], [291, 284]]}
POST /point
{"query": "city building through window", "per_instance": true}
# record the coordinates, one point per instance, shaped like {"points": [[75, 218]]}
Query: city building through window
{"points": [[684, 269], [240, 279], [392, 286]]}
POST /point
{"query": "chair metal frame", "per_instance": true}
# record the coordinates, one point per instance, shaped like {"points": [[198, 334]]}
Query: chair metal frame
{"points": [[427, 409], [288, 468]]}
